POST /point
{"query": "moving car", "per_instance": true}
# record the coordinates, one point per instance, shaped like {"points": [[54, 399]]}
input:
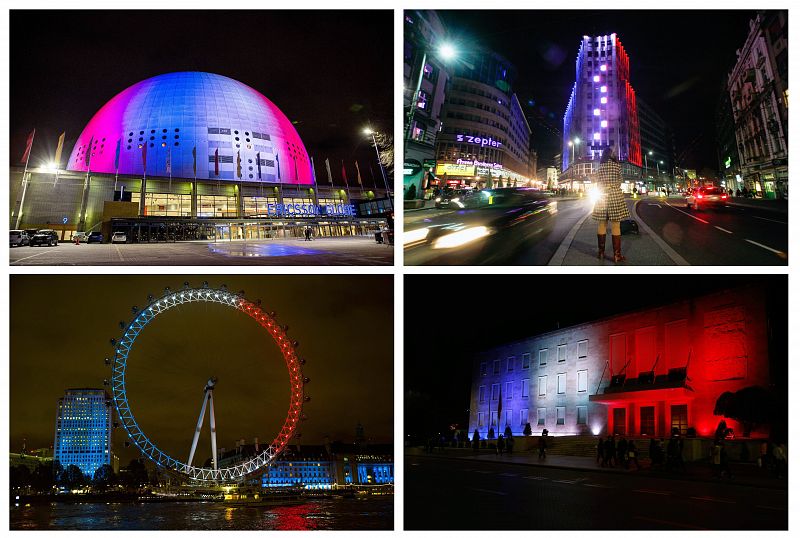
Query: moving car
{"points": [[493, 228], [451, 199], [119, 237], [704, 197], [94, 237], [18, 238], [45, 237]]}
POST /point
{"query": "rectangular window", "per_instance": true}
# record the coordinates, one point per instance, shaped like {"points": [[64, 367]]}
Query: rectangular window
{"points": [[483, 368], [541, 414], [525, 388], [583, 414], [542, 357], [496, 369], [583, 349], [482, 393], [583, 380], [648, 420], [562, 383], [510, 365], [495, 391], [526, 361], [481, 419], [509, 390], [523, 416], [561, 415], [562, 353], [680, 417], [619, 421], [543, 385], [509, 421], [493, 417]]}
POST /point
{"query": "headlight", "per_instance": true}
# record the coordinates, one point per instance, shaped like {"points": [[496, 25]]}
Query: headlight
{"points": [[415, 236], [438, 200], [462, 237]]}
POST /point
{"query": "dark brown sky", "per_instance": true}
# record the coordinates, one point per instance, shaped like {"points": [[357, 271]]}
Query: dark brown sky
{"points": [[61, 325]]}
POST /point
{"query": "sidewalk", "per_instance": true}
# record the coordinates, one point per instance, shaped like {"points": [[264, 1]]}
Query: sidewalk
{"points": [[744, 474], [647, 248]]}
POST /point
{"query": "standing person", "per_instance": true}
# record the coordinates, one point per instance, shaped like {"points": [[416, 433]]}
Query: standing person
{"points": [[510, 444], [543, 445], [610, 205], [622, 452], [600, 456], [501, 445], [716, 457], [608, 452], [476, 439], [779, 455], [633, 454]]}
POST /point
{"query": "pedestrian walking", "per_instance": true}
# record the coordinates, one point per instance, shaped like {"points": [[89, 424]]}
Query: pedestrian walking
{"points": [[610, 206], [600, 458], [501, 446], [622, 452], [633, 455], [716, 457], [608, 452], [779, 455], [543, 445]]}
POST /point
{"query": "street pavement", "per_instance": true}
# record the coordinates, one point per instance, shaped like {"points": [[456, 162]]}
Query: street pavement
{"points": [[569, 493], [320, 251]]}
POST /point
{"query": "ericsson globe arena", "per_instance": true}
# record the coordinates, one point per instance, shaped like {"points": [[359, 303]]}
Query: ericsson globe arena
{"points": [[193, 125]]}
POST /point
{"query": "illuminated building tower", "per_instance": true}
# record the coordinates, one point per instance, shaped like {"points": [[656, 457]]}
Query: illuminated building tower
{"points": [[601, 111], [83, 430]]}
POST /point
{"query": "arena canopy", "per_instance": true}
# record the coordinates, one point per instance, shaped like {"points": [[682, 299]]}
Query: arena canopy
{"points": [[160, 122]]}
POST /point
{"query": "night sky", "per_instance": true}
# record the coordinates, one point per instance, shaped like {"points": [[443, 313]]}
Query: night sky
{"points": [[61, 326], [475, 313], [679, 60], [330, 72]]}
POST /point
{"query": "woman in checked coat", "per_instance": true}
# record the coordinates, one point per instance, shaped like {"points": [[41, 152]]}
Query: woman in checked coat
{"points": [[610, 205]]}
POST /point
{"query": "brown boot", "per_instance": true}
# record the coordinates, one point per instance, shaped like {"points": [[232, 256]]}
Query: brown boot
{"points": [[601, 246], [616, 242]]}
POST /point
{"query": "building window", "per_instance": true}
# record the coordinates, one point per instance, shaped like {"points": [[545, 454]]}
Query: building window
{"points": [[562, 383], [482, 393], [481, 418], [583, 415], [509, 418], [523, 416], [496, 367], [495, 391], [422, 102], [543, 357], [525, 388], [541, 414], [509, 390], [680, 417], [543, 385], [647, 417], [583, 349], [526, 361], [510, 365], [562, 353], [583, 380], [561, 415], [483, 368], [619, 421], [493, 419]]}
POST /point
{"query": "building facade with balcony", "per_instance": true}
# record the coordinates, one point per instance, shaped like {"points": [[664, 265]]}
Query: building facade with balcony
{"points": [[758, 89], [638, 374]]}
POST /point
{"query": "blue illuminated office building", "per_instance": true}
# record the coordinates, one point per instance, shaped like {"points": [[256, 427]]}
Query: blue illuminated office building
{"points": [[83, 430]]}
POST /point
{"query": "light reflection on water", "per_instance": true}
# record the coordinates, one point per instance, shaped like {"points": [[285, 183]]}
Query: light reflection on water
{"points": [[260, 250], [375, 514]]}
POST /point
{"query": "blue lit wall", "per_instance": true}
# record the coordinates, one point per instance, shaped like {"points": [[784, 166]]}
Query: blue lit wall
{"points": [[83, 430], [376, 473], [167, 116], [310, 474]]}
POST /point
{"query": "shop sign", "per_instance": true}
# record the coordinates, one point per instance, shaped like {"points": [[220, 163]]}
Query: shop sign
{"points": [[479, 141], [310, 210], [459, 169], [411, 167], [479, 163]]}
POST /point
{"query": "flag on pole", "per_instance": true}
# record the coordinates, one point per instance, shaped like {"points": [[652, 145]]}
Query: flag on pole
{"points": [[278, 165], [88, 156], [328, 167], [60, 148], [194, 160], [116, 155], [144, 156], [238, 165], [358, 171], [216, 162], [258, 161], [344, 175], [28, 146], [499, 408], [313, 172]]}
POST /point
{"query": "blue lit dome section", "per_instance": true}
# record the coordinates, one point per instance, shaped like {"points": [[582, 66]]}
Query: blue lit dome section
{"points": [[236, 132]]}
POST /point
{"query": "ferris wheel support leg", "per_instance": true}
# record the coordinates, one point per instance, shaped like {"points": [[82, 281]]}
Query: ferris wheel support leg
{"points": [[213, 430], [197, 430]]}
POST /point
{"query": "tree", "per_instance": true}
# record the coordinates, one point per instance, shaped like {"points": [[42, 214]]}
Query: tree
{"points": [[507, 432], [135, 475], [491, 433], [751, 407], [20, 477], [104, 477], [527, 430], [385, 143], [43, 478], [72, 477]]}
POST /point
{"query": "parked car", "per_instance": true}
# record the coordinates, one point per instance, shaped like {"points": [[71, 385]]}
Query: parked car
{"points": [[45, 237], [119, 237], [94, 237], [705, 197], [19, 238], [80, 237]]}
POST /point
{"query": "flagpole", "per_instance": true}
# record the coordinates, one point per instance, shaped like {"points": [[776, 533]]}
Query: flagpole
{"points": [[314, 179], [24, 182], [360, 181], [346, 184]]}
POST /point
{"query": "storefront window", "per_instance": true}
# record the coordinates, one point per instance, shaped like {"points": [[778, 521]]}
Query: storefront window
{"points": [[216, 206], [256, 206], [165, 205]]}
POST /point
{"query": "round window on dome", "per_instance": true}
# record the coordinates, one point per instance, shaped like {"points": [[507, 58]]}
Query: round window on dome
{"points": [[163, 130], [151, 144], [177, 130], [141, 132], [130, 140], [177, 136], [129, 147], [176, 143], [152, 130], [152, 138]]}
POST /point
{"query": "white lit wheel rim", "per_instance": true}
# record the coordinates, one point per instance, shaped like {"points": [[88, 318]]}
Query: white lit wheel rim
{"points": [[119, 392]]}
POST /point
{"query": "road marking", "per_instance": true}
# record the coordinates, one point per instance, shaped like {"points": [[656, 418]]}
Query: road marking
{"points": [[29, 257], [653, 491], [779, 508], [672, 523], [508, 474], [713, 499], [689, 215], [119, 254], [563, 248], [597, 486], [575, 481], [723, 229], [674, 256], [535, 477], [489, 491], [657, 205], [778, 252], [771, 220]]}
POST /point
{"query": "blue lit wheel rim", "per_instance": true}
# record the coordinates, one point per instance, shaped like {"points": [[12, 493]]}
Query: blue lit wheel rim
{"points": [[287, 348]]}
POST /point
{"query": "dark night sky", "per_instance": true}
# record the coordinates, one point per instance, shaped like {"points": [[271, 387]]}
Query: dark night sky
{"points": [[475, 313], [60, 327], [328, 71], [678, 62]]}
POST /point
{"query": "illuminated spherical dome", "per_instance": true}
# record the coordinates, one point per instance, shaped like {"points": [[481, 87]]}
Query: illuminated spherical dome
{"points": [[161, 120]]}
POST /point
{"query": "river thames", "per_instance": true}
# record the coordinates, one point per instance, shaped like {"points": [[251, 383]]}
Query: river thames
{"points": [[316, 514]]}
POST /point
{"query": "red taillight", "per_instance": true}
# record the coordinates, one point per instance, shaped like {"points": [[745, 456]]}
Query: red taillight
{"points": [[724, 196], [699, 195]]}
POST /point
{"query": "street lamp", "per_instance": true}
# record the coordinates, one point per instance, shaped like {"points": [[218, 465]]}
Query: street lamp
{"points": [[572, 144], [369, 132], [645, 162], [446, 51]]}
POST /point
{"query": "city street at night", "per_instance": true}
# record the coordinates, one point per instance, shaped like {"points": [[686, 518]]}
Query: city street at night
{"points": [[483, 493]]}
